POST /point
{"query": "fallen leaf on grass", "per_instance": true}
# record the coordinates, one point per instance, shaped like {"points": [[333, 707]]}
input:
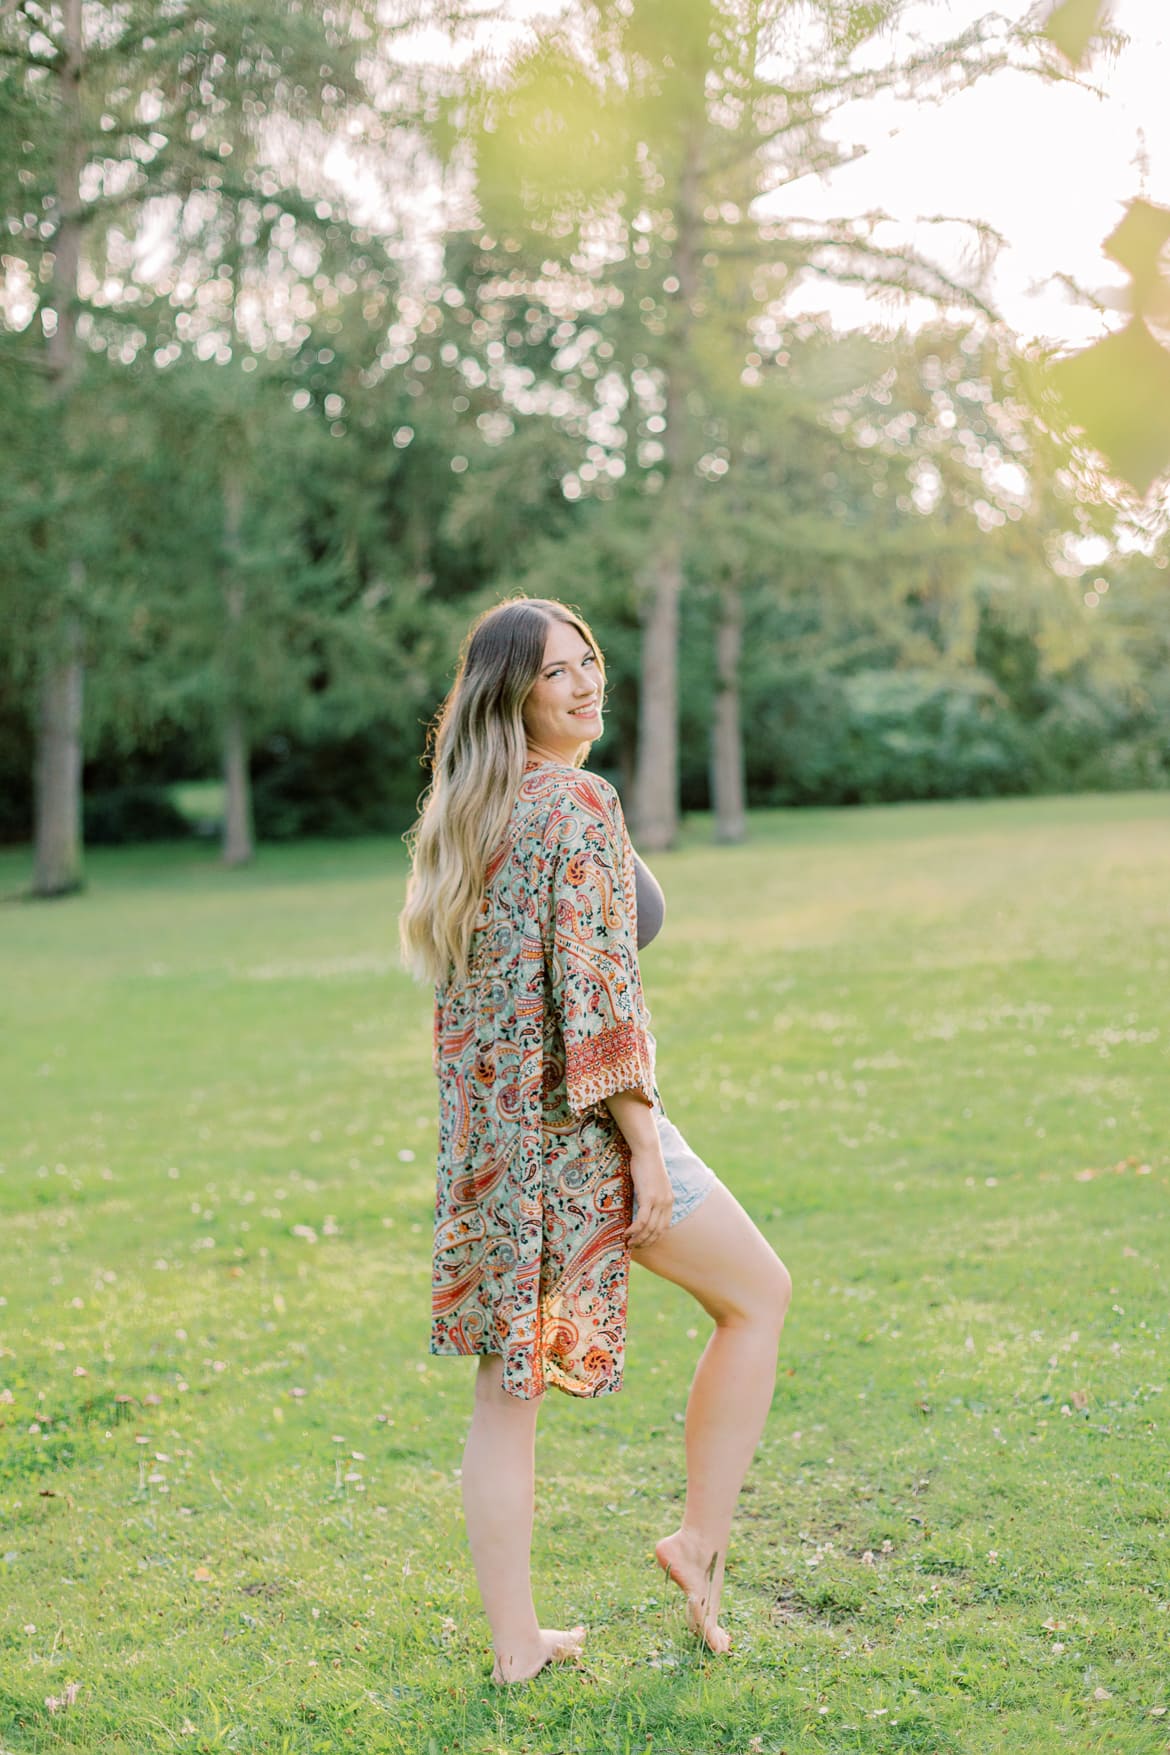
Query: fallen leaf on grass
{"points": [[1102, 1694], [202, 1575]]}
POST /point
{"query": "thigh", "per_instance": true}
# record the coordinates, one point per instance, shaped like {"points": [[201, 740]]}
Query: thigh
{"points": [[723, 1259]]}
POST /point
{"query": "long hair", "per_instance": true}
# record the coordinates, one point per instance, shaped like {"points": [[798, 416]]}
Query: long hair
{"points": [[478, 748]]}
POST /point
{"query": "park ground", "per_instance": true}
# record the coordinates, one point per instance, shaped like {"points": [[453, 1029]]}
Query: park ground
{"points": [[925, 1045]]}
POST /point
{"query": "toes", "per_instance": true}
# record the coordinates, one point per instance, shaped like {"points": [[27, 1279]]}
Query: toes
{"points": [[696, 1586]]}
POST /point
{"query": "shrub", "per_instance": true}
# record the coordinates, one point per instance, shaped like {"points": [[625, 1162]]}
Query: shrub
{"points": [[360, 785], [132, 813], [885, 735]]}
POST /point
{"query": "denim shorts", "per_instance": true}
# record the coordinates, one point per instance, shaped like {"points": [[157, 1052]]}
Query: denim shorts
{"points": [[690, 1179]]}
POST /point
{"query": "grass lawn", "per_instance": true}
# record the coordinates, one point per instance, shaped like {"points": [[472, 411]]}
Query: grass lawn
{"points": [[925, 1045]]}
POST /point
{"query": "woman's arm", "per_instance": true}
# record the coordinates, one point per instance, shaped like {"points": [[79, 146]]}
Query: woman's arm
{"points": [[635, 1118], [593, 983]]}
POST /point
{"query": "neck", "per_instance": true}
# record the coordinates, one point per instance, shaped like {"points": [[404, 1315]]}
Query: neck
{"points": [[538, 752]]}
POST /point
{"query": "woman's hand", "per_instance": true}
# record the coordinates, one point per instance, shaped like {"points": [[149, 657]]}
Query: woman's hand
{"points": [[635, 1118], [655, 1197]]}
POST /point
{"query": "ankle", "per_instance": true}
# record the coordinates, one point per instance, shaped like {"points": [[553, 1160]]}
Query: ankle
{"points": [[516, 1656], [698, 1544]]}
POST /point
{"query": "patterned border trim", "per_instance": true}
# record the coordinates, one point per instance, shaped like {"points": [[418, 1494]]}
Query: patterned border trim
{"points": [[614, 1060]]}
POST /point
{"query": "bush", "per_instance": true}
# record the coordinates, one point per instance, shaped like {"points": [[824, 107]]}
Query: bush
{"points": [[126, 814], [16, 774], [1093, 739], [361, 785], [919, 734], [885, 735]]}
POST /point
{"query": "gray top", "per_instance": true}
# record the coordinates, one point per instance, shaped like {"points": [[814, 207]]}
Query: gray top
{"points": [[651, 902]]}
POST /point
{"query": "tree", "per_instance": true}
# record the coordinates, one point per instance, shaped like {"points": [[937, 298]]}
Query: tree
{"points": [[110, 115], [620, 161]]}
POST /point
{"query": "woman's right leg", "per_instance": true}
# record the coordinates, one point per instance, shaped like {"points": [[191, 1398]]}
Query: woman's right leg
{"points": [[720, 1257], [499, 1464]]}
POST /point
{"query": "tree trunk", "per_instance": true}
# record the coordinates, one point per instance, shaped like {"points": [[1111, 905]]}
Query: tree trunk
{"points": [[238, 843], [57, 824], [57, 843], [656, 780], [238, 846], [656, 775], [727, 787]]}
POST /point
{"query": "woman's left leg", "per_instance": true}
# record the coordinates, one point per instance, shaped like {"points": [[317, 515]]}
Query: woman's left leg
{"points": [[720, 1257], [498, 1486]]}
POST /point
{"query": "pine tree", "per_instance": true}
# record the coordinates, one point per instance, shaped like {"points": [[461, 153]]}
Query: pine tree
{"points": [[113, 119]]}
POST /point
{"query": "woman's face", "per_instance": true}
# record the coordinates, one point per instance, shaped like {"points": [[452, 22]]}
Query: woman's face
{"points": [[563, 707]]}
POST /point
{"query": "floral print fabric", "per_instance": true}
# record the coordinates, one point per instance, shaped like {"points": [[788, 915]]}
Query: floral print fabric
{"points": [[534, 1190]]}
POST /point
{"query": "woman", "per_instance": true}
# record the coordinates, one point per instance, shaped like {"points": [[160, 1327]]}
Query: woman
{"points": [[557, 1163]]}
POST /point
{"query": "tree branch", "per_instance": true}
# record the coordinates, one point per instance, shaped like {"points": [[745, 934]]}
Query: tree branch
{"points": [[29, 59], [159, 30]]}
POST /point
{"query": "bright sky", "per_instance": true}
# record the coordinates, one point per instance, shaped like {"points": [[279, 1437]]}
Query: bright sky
{"points": [[1048, 166]]}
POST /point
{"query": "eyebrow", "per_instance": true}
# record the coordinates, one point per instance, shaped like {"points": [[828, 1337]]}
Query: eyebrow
{"points": [[554, 662]]}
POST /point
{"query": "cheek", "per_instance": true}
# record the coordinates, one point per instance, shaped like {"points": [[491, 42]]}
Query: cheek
{"points": [[537, 703]]}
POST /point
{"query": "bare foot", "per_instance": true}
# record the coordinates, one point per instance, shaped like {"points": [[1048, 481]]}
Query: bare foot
{"points": [[700, 1575], [553, 1645]]}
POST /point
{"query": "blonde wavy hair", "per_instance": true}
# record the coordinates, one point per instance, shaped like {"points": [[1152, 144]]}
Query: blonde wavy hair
{"points": [[477, 748]]}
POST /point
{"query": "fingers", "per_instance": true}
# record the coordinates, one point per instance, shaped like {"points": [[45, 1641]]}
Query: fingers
{"points": [[651, 1223]]}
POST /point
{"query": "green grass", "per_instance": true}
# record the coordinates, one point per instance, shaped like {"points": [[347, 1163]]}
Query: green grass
{"points": [[927, 1048]]}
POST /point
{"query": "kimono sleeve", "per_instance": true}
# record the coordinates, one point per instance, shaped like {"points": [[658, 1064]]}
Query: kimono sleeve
{"points": [[594, 980]]}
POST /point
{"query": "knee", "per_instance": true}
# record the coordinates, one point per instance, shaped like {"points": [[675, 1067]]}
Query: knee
{"points": [[761, 1300], [773, 1294], [784, 1289], [780, 1291]]}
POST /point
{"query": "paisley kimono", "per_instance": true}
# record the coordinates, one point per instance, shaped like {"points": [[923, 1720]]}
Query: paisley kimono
{"points": [[534, 1189]]}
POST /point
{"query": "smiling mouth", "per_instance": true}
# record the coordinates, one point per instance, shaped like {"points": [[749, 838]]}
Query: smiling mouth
{"points": [[576, 712]]}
